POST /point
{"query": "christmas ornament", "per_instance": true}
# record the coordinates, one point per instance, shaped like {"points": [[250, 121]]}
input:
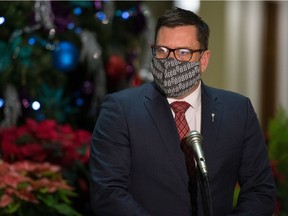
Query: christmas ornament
{"points": [[65, 56], [116, 67]]}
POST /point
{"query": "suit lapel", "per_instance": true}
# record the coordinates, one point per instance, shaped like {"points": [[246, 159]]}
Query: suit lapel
{"points": [[159, 109], [211, 121]]}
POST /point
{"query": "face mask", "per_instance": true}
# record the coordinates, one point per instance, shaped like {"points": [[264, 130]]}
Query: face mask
{"points": [[174, 78]]}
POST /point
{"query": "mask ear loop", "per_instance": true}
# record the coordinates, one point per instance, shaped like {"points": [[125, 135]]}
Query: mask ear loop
{"points": [[202, 53]]}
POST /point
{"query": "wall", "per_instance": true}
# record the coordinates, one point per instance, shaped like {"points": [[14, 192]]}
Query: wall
{"points": [[212, 12]]}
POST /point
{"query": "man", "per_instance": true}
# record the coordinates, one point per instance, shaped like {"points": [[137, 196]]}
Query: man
{"points": [[138, 166]]}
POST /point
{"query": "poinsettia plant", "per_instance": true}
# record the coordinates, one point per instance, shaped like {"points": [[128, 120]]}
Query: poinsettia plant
{"points": [[29, 188], [45, 141], [48, 141]]}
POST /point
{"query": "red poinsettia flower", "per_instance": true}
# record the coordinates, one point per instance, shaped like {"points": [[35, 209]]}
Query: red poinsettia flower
{"points": [[5, 200], [45, 141]]}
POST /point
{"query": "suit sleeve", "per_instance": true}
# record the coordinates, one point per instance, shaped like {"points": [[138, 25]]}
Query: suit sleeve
{"points": [[257, 194], [110, 164]]}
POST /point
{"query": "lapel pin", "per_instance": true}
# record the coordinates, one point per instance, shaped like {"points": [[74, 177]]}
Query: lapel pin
{"points": [[213, 116]]}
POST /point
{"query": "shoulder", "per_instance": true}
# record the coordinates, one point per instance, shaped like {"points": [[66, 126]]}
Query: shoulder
{"points": [[229, 100], [222, 94], [234, 106], [134, 95], [133, 92]]}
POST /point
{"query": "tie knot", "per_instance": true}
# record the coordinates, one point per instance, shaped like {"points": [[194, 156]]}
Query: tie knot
{"points": [[180, 106]]}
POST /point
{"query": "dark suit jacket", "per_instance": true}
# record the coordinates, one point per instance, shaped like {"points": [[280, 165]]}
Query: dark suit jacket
{"points": [[137, 166]]}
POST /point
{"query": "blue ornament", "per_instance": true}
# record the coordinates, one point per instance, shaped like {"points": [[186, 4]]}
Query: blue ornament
{"points": [[65, 56]]}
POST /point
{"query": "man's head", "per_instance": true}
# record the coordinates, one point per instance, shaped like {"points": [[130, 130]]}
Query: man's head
{"points": [[180, 52], [180, 17]]}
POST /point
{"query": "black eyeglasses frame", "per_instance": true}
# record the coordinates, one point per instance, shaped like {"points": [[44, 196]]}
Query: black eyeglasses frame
{"points": [[154, 47]]}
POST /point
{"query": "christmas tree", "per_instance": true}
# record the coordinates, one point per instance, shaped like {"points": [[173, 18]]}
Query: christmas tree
{"points": [[59, 58]]}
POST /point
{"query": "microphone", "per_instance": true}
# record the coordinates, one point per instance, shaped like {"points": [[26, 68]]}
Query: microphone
{"points": [[194, 139]]}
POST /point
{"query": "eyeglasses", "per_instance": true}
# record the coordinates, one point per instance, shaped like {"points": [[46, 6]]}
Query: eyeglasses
{"points": [[181, 54]]}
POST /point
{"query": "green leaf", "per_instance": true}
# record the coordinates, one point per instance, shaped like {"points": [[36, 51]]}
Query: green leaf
{"points": [[59, 202], [66, 210], [12, 208]]}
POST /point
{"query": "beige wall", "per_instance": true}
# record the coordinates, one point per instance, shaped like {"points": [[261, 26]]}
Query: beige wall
{"points": [[213, 13]]}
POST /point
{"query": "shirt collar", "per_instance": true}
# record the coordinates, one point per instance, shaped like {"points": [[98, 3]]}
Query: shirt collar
{"points": [[194, 99]]}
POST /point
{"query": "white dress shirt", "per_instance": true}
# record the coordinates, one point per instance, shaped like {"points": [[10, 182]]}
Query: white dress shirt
{"points": [[193, 114]]}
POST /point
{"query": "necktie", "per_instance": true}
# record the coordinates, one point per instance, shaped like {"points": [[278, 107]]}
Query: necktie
{"points": [[179, 108]]}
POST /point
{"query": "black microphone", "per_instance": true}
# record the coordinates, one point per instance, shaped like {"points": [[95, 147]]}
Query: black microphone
{"points": [[194, 139]]}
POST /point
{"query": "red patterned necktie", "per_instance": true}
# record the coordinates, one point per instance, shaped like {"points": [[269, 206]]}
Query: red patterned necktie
{"points": [[179, 108]]}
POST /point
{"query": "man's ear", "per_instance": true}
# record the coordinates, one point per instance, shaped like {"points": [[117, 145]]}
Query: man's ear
{"points": [[204, 60]]}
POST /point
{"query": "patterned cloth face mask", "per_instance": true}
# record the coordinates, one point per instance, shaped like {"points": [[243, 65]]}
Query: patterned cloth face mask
{"points": [[174, 78]]}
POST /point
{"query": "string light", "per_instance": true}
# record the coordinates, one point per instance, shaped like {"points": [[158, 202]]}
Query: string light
{"points": [[2, 20], [31, 41], [125, 15], [36, 105], [71, 26], [1, 102], [77, 11], [101, 15]]}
